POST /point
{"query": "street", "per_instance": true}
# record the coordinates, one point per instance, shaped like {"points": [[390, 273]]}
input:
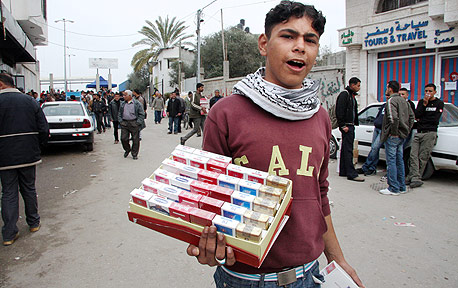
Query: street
{"points": [[86, 239]]}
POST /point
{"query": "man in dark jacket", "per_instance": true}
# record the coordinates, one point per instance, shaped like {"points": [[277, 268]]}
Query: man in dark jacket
{"points": [[113, 110], [131, 117], [173, 112], [23, 128], [99, 108], [215, 98], [196, 114], [347, 118]]}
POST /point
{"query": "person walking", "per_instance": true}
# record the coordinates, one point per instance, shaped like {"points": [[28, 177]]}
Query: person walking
{"points": [[397, 123], [158, 107], [215, 98], [113, 110], [347, 118], [428, 113], [196, 114], [23, 128], [98, 108], [173, 112], [131, 118], [182, 109]]}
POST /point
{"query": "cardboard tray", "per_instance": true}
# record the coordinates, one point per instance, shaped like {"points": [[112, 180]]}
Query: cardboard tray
{"points": [[247, 252]]}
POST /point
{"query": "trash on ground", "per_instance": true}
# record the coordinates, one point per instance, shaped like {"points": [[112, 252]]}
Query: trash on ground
{"points": [[69, 193], [392, 217], [93, 175], [93, 161], [404, 224], [55, 187], [17, 258], [57, 168]]}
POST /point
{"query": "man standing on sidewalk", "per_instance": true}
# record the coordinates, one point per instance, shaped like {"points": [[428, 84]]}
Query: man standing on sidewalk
{"points": [[347, 118], [23, 128], [196, 115], [428, 113], [113, 110], [131, 117], [173, 112], [397, 122]]}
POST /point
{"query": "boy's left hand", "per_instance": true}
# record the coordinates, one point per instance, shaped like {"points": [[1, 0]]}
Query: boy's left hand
{"points": [[350, 271]]}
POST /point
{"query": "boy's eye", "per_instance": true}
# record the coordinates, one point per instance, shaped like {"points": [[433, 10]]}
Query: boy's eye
{"points": [[309, 40], [287, 36]]}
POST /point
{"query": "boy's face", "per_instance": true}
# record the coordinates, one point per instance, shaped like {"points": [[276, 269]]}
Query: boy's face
{"points": [[290, 52]]}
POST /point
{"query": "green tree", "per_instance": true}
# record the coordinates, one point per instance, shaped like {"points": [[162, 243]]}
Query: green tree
{"points": [[242, 53], [162, 34], [188, 70], [139, 79]]}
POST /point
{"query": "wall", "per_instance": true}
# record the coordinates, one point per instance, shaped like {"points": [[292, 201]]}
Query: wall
{"points": [[331, 81]]}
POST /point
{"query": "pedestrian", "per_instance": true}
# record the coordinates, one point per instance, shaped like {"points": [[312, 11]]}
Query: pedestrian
{"points": [[182, 109], [196, 114], [215, 98], [106, 115], [158, 107], [98, 108], [173, 112], [188, 107], [397, 123], [370, 165], [347, 118], [113, 110], [267, 97], [23, 128], [131, 118], [138, 96], [428, 113]]}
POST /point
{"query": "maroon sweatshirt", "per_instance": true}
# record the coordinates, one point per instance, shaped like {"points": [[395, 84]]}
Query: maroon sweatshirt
{"points": [[297, 150]]}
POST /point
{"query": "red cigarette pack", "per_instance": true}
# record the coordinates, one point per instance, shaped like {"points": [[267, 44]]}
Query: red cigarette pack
{"points": [[217, 166], [200, 188], [221, 193], [208, 176], [211, 204], [190, 199], [181, 211], [202, 217]]}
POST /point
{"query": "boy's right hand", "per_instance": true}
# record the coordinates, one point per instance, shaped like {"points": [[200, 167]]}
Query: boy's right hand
{"points": [[212, 245]]}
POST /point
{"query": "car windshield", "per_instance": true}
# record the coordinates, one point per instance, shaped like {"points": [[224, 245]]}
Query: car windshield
{"points": [[63, 110], [449, 116]]}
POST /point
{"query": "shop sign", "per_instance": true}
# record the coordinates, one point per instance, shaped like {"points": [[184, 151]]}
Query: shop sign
{"points": [[346, 37]]}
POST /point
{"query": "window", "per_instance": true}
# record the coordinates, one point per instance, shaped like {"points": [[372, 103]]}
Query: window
{"points": [[388, 5], [367, 116]]}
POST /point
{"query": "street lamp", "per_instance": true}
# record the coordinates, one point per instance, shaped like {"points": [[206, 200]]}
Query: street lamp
{"points": [[70, 69], [65, 49]]}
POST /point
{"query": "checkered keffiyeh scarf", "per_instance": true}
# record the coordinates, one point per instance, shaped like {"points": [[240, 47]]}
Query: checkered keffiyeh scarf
{"points": [[290, 104]]}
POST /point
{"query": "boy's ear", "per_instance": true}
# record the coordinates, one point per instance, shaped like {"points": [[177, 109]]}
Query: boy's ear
{"points": [[262, 44]]}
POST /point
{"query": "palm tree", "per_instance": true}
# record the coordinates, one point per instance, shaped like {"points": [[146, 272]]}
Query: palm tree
{"points": [[162, 34]]}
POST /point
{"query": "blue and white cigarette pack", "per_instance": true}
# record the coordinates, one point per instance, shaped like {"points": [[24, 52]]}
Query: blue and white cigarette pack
{"points": [[243, 199], [182, 182], [170, 192], [336, 277], [233, 211], [189, 171], [225, 225], [228, 182], [249, 187], [160, 204]]}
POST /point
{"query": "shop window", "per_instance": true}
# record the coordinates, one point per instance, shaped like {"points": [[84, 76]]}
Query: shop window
{"points": [[388, 5]]}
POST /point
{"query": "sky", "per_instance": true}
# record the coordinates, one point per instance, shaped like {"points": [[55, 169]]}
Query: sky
{"points": [[107, 29]]}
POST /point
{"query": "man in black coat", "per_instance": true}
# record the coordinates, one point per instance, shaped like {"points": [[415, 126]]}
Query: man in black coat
{"points": [[23, 128], [173, 112], [347, 118]]}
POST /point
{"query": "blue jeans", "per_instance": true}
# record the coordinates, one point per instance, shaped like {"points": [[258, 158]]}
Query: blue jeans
{"points": [[373, 157], [224, 280], [395, 164], [157, 116], [173, 121]]}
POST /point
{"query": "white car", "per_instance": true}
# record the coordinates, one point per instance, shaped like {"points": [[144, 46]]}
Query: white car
{"points": [[69, 123], [444, 154]]}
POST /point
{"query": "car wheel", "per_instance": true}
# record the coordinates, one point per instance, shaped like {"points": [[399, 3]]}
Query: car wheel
{"points": [[333, 148], [429, 170], [89, 146]]}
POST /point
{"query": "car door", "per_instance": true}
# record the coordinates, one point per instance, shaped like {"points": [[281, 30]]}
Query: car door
{"points": [[363, 132]]}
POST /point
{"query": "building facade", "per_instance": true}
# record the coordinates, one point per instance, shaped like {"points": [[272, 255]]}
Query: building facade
{"points": [[412, 41], [24, 27]]}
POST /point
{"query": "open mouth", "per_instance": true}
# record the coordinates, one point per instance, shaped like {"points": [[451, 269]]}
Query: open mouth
{"points": [[296, 63]]}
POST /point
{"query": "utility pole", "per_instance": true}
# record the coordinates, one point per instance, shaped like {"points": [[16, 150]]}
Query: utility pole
{"points": [[179, 67], [65, 48], [70, 69], [199, 19]]}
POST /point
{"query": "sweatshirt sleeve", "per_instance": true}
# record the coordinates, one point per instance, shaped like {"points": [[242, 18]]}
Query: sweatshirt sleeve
{"points": [[340, 108], [439, 110], [193, 103], [420, 109], [393, 116], [324, 184]]}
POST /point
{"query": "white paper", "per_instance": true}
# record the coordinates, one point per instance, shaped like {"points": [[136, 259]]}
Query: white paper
{"points": [[450, 85], [406, 85]]}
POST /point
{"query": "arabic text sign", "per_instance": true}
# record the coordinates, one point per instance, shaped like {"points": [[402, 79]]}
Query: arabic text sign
{"points": [[103, 63]]}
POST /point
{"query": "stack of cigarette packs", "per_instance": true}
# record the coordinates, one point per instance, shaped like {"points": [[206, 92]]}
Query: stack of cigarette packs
{"points": [[195, 188]]}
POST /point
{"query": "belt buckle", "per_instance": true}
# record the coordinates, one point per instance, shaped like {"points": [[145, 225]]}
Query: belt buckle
{"points": [[286, 277]]}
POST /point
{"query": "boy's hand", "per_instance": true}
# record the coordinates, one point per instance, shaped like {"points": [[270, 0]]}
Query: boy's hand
{"points": [[350, 271], [212, 245]]}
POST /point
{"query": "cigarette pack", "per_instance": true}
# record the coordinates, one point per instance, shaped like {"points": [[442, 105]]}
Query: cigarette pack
{"points": [[236, 171], [336, 277], [163, 176], [151, 185], [228, 182], [160, 204], [221, 193], [180, 156], [272, 193], [208, 176], [190, 199], [201, 187], [181, 211], [249, 187], [233, 211], [277, 182], [220, 158], [202, 153], [186, 149], [248, 232], [217, 166], [256, 176], [211, 204], [202, 217], [171, 166], [265, 206], [170, 192], [189, 171], [181, 182], [256, 219], [141, 197], [198, 161], [243, 199], [225, 225]]}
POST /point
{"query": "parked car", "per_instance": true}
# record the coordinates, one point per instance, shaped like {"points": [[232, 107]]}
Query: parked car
{"points": [[444, 154], [69, 123]]}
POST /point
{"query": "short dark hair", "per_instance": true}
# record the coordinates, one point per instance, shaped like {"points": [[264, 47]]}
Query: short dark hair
{"points": [[198, 85], [431, 85], [404, 89], [286, 9], [6, 79], [137, 91], [354, 80], [394, 85], [189, 93]]}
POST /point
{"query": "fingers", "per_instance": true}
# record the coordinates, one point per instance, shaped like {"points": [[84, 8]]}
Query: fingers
{"points": [[192, 250], [210, 249], [230, 256], [221, 247]]}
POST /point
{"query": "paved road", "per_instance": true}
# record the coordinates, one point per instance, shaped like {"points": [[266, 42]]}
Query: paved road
{"points": [[87, 241]]}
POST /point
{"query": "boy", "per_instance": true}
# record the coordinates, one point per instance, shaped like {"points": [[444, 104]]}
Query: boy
{"points": [[278, 98]]}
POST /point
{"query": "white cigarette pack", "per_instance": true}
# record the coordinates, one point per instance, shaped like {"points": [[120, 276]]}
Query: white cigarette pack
{"points": [[189, 171], [181, 156], [160, 204], [336, 277], [225, 225], [163, 176], [141, 197], [170, 192], [249, 187], [243, 199], [198, 161], [172, 166], [185, 149], [181, 182], [228, 182], [151, 185], [233, 211]]}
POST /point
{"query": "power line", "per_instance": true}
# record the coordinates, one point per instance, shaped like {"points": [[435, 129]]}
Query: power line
{"points": [[89, 50]]}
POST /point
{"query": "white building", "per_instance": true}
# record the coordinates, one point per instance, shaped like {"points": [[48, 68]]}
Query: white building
{"points": [[163, 66], [412, 41], [25, 26]]}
